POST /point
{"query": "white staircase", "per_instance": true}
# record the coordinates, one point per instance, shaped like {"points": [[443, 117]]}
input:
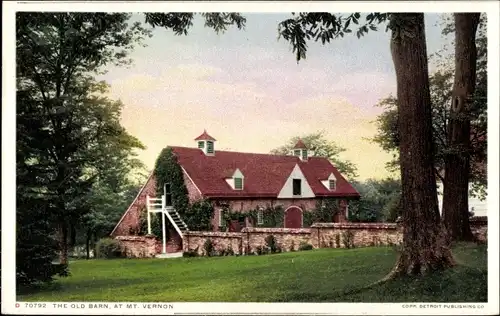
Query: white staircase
{"points": [[158, 205]]}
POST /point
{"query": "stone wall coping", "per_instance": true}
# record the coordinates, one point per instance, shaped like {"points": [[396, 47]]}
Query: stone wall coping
{"points": [[213, 234], [276, 230], [356, 225], [135, 238]]}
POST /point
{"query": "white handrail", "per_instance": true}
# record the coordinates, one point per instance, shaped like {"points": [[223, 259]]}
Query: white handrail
{"points": [[170, 217]]}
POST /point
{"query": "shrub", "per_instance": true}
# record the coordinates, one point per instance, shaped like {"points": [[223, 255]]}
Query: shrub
{"points": [[109, 248], [229, 251], [348, 239], [191, 253], [261, 250], [209, 248], [271, 244], [305, 246]]}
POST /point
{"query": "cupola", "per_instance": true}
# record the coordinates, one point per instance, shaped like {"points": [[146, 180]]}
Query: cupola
{"points": [[300, 150], [206, 143]]}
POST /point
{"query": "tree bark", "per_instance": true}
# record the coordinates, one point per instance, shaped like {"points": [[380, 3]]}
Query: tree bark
{"points": [[425, 246], [87, 243], [63, 243], [457, 159]]}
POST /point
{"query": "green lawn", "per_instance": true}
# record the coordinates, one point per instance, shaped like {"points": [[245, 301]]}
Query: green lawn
{"points": [[324, 275]]}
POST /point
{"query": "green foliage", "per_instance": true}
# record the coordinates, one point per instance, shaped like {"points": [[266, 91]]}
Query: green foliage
{"points": [[71, 147], [325, 27], [190, 253], [348, 239], [441, 85], [198, 216], [179, 23], [376, 202], [305, 246], [167, 171], [209, 248], [108, 248], [156, 224], [272, 245], [321, 147]]}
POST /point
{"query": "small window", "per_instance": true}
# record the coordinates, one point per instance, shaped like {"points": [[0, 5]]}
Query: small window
{"points": [[296, 152], [210, 147], [304, 154], [238, 183], [332, 184], [297, 187], [221, 217], [201, 145], [260, 217]]}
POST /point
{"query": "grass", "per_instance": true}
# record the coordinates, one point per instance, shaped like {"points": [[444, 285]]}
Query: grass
{"points": [[323, 275]]}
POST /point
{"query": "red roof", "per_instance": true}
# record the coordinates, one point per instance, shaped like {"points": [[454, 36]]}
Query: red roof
{"points": [[205, 136], [300, 145], [264, 174]]}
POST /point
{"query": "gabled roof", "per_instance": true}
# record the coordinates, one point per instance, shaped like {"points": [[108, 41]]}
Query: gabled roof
{"points": [[205, 136], [265, 174], [300, 145]]}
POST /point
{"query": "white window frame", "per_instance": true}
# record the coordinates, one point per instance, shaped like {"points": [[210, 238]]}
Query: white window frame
{"points": [[221, 211], [260, 216], [334, 184]]}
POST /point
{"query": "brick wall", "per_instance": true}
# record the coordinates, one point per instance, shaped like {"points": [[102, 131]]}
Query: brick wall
{"points": [[130, 219]]}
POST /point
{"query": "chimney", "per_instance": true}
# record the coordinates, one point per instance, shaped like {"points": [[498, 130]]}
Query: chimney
{"points": [[206, 143]]}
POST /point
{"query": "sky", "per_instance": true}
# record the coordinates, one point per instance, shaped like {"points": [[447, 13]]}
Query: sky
{"points": [[247, 90]]}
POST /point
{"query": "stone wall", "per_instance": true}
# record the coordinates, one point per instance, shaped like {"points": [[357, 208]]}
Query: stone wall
{"points": [[335, 235], [138, 246], [320, 235], [286, 238], [194, 240]]}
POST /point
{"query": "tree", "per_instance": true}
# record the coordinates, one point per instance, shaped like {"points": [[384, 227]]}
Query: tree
{"points": [[321, 147], [378, 201], [61, 113], [424, 244], [441, 84], [457, 158]]}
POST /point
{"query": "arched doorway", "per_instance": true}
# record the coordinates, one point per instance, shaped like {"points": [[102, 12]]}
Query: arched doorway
{"points": [[293, 217]]}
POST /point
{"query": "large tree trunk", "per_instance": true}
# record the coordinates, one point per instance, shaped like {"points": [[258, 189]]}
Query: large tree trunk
{"points": [[457, 159], [87, 243], [425, 246], [63, 243]]}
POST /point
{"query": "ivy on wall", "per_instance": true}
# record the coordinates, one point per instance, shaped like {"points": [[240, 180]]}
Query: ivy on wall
{"points": [[198, 215]]}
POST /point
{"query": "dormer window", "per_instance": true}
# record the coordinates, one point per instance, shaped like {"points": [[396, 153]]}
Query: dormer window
{"points": [[304, 154], [332, 184], [297, 187], [201, 144], [238, 183], [296, 152]]}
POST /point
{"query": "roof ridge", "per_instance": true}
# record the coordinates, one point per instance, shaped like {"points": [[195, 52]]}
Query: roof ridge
{"points": [[252, 153]]}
